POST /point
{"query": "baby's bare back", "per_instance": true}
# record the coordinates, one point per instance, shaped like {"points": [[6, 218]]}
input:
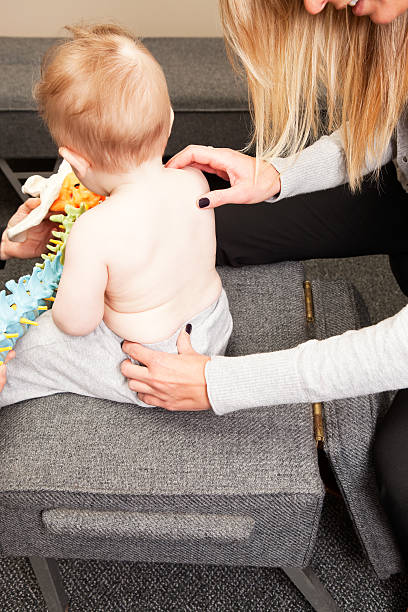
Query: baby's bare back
{"points": [[161, 259]]}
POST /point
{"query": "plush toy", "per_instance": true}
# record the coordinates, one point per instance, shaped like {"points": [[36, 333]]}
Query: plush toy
{"points": [[56, 191], [34, 293]]}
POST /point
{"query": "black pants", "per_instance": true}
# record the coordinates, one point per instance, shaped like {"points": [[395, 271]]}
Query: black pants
{"points": [[331, 223], [335, 223], [391, 465]]}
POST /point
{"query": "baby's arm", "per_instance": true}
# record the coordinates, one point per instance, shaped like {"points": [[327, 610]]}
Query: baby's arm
{"points": [[79, 304]]}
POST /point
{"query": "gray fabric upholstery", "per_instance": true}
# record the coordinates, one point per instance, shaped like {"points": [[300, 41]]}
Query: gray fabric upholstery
{"points": [[164, 525], [350, 426], [209, 100], [284, 532], [66, 459]]}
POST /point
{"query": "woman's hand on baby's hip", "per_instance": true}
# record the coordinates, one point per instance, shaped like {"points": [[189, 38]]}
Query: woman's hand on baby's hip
{"points": [[235, 167], [173, 382]]}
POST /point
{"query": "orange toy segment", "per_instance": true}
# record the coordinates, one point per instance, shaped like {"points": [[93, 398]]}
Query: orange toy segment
{"points": [[74, 193]]}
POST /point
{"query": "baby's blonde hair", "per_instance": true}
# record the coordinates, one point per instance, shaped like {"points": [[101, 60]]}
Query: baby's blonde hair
{"points": [[102, 94], [297, 64]]}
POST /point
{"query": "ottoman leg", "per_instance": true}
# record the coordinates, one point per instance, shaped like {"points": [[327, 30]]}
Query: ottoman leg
{"points": [[50, 583], [312, 589]]}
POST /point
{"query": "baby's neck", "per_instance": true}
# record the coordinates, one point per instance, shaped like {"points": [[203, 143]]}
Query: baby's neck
{"points": [[148, 172]]}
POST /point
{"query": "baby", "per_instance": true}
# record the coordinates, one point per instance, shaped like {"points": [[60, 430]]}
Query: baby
{"points": [[139, 266]]}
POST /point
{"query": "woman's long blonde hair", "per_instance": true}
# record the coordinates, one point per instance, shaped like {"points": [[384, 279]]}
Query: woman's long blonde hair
{"points": [[297, 63]]}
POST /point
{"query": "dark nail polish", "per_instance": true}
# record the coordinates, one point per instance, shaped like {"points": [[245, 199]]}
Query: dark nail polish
{"points": [[189, 327], [203, 202]]}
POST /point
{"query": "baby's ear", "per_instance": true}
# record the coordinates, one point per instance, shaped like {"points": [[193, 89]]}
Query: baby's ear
{"points": [[78, 163]]}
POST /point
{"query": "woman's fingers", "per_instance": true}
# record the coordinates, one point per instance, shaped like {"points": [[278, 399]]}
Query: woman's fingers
{"points": [[233, 195], [139, 387], [138, 352], [184, 346], [3, 376], [3, 369], [10, 356], [132, 370], [32, 203], [33, 241], [184, 158], [221, 173], [23, 210], [213, 159], [152, 400], [174, 382], [251, 181], [185, 406]]}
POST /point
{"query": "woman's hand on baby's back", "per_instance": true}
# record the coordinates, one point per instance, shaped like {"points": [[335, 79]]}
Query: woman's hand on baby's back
{"points": [[232, 166], [173, 382]]}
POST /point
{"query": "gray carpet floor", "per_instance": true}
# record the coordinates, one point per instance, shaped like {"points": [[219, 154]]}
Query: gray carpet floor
{"points": [[96, 586]]}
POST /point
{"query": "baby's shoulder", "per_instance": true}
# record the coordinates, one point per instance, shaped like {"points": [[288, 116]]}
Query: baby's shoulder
{"points": [[190, 179], [94, 222], [194, 174]]}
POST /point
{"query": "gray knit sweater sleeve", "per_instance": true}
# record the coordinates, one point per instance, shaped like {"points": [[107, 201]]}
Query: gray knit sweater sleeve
{"points": [[320, 166], [368, 360], [356, 363]]}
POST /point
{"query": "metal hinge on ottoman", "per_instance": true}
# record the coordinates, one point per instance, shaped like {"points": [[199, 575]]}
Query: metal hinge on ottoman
{"points": [[317, 407]]}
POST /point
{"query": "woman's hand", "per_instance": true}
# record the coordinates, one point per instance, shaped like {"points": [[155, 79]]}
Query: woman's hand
{"points": [[235, 167], [173, 382], [3, 369], [36, 238]]}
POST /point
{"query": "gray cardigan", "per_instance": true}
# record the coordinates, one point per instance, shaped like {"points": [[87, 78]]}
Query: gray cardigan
{"points": [[360, 362]]}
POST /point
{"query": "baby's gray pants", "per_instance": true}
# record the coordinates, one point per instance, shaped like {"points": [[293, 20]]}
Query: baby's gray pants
{"points": [[48, 361]]}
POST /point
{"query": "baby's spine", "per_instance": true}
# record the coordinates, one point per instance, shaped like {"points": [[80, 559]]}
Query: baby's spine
{"points": [[34, 293]]}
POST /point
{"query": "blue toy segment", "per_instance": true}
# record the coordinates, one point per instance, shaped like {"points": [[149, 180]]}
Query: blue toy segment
{"points": [[24, 301], [8, 316], [50, 274], [11, 284], [34, 293]]}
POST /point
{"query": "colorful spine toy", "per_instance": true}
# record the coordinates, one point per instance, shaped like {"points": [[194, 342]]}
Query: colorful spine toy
{"points": [[34, 293]]}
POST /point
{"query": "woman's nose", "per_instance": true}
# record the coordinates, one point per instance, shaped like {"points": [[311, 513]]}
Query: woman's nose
{"points": [[314, 6]]}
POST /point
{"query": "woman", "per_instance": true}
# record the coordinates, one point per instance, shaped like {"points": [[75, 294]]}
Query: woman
{"points": [[354, 59]]}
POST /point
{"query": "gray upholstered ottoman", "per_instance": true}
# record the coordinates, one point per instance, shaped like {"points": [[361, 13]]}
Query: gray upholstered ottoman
{"points": [[87, 478], [241, 489]]}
